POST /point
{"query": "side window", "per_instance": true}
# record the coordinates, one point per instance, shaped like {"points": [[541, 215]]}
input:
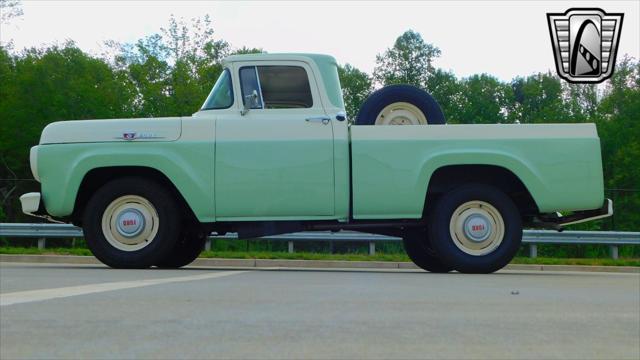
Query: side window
{"points": [[250, 85], [277, 87], [221, 96]]}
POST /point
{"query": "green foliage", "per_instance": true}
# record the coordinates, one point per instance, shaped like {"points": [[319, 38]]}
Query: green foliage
{"points": [[356, 86], [40, 86], [450, 93], [619, 129], [409, 61], [10, 9], [538, 99], [246, 50], [171, 73], [484, 100]]}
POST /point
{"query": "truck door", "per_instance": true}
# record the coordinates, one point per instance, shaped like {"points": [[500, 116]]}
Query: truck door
{"points": [[274, 160]]}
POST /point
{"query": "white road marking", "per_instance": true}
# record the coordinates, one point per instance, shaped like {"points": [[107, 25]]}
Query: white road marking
{"points": [[21, 297]]}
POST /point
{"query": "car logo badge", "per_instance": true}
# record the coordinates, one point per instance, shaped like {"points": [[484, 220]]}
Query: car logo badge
{"points": [[585, 43], [132, 135]]}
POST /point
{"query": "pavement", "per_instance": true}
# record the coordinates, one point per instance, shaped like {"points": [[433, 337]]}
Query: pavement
{"points": [[322, 264], [64, 311]]}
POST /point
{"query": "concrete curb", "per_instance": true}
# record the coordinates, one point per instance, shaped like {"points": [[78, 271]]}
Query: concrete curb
{"points": [[319, 264]]}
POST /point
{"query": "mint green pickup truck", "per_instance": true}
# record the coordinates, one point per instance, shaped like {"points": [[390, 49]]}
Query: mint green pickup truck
{"points": [[271, 151]]}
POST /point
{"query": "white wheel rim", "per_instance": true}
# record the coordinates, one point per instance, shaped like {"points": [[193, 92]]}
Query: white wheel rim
{"points": [[477, 228], [401, 113], [130, 223]]}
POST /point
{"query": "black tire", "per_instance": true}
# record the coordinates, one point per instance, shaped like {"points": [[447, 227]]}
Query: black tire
{"points": [[445, 246], [185, 251], [417, 246], [169, 223], [388, 95]]}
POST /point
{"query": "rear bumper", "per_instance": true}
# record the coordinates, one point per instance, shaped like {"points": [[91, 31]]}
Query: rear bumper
{"points": [[559, 221], [582, 216]]}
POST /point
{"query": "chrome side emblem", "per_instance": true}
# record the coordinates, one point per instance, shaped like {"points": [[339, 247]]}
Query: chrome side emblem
{"points": [[132, 135]]}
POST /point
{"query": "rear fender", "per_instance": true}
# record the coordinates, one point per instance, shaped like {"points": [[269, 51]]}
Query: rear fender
{"points": [[523, 170]]}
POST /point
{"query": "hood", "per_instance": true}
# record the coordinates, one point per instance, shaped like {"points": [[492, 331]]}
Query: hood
{"points": [[112, 130]]}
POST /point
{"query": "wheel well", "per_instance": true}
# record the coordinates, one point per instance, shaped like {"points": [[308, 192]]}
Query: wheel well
{"points": [[449, 177], [98, 177]]}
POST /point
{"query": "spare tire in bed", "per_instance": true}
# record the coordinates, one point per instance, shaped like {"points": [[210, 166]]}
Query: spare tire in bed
{"points": [[400, 105]]}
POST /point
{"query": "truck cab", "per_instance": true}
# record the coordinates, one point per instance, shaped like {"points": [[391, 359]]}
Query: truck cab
{"points": [[279, 124]]}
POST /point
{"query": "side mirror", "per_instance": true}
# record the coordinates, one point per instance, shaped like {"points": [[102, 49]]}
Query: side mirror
{"points": [[251, 102]]}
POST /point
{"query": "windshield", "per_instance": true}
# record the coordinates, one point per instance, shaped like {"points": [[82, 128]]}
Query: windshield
{"points": [[221, 96]]}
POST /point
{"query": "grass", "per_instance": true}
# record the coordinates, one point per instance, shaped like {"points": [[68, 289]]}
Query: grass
{"points": [[345, 257], [578, 261], [36, 251]]}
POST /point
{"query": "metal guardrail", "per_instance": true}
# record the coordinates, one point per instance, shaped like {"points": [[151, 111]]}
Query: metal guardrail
{"points": [[530, 237]]}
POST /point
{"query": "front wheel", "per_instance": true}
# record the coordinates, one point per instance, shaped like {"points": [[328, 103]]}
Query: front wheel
{"points": [[131, 222], [186, 250], [475, 228]]}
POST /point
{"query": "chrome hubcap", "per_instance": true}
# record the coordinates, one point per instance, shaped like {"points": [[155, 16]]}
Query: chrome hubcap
{"points": [[477, 228], [130, 223]]}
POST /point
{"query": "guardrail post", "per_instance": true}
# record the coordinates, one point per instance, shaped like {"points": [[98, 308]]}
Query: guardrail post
{"points": [[372, 248], [207, 244], [613, 249], [290, 246], [41, 243], [533, 250]]}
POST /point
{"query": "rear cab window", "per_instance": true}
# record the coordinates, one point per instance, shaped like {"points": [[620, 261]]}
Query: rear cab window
{"points": [[275, 87]]}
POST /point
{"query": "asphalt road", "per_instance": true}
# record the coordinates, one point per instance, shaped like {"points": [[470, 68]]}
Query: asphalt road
{"points": [[58, 311]]}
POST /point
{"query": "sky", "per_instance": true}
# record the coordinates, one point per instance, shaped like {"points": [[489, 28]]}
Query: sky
{"points": [[502, 38]]}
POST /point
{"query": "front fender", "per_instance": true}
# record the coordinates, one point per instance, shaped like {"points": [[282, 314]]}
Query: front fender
{"points": [[189, 166]]}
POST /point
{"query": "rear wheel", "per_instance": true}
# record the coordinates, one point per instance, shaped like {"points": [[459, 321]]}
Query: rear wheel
{"points": [[131, 223], [400, 105], [475, 228], [417, 246]]}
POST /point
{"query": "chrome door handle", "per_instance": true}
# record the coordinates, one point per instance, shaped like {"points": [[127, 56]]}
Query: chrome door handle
{"points": [[321, 119]]}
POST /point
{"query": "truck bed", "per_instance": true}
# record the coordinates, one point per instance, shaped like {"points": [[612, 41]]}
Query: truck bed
{"points": [[559, 164]]}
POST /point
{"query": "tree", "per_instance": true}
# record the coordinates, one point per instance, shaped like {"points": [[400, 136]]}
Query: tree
{"points": [[246, 50], [537, 99], [356, 86], [449, 93], [581, 101], [619, 132], [409, 61], [52, 84], [10, 9], [40, 86], [172, 71], [485, 100]]}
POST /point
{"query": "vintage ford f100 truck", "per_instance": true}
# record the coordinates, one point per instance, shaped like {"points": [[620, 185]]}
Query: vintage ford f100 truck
{"points": [[271, 151]]}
